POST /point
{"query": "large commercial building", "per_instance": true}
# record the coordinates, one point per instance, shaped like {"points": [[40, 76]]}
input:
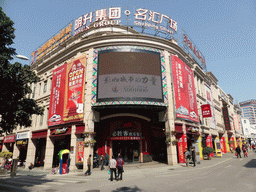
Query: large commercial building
{"points": [[249, 110], [132, 89]]}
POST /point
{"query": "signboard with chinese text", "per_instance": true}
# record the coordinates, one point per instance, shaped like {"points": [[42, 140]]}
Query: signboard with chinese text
{"points": [[184, 89], [191, 48], [67, 94], [206, 110], [53, 43], [74, 96], [126, 75], [226, 118], [147, 20], [24, 135], [9, 139], [125, 138], [55, 116], [209, 101], [236, 122]]}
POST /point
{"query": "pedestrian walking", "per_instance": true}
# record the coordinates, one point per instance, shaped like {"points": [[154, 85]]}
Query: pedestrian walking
{"points": [[106, 159], [88, 172], [244, 150], [193, 156], [187, 156], [112, 167], [102, 160], [119, 165], [238, 151]]}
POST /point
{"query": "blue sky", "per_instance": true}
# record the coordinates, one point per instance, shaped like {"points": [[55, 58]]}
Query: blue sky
{"points": [[223, 30]]}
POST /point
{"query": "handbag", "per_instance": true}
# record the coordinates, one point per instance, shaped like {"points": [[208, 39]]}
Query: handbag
{"points": [[109, 172]]}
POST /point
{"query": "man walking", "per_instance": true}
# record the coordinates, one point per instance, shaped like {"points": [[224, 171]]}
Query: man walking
{"points": [[187, 156], [119, 165], [238, 151], [88, 172], [193, 155], [102, 159], [112, 166]]}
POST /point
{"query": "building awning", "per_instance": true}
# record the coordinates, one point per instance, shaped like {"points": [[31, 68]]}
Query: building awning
{"points": [[39, 134]]}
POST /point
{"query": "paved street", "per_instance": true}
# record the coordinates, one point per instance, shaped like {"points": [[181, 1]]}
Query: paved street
{"points": [[219, 174]]}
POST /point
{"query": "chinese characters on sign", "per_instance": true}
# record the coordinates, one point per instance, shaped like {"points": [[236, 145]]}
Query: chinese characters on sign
{"points": [[206, 110], [192, 47], [112, 16], [67, 94], [226, 118], [184, 89], [125, 133], [53, 43]]}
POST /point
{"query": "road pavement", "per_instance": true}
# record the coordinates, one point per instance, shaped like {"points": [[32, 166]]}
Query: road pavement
{"points": [[218, 174]]}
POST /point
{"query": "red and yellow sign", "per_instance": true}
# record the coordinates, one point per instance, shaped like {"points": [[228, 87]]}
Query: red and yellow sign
{"points": [[80, 152], [67, 94]]}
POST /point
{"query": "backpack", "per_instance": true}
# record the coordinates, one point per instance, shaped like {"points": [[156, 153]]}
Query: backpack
{"points": [[119, 162]]}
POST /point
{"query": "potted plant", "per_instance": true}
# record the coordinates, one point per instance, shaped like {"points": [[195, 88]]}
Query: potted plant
{"points": [[168, 140], [167, 133], [174, 142], [86, 143], [86, 134], [92, 142], [206, 152]]}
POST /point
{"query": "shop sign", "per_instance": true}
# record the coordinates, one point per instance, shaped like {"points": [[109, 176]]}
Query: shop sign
{"points": [[125, 138], [67, 94], [9, 139], [53, 43], [22, 142], [226, 118], [206, 110], [112, 16], [59, 131], [24, 135], [188, 43], [125, 134], [184, 89]]}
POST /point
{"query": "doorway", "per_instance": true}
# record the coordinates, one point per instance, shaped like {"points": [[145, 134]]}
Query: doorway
{"points": [[129, 150]]}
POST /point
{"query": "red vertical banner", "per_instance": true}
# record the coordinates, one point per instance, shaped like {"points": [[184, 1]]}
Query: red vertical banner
{"points": [[182, 145], [223, 145], [209, 143], [55, 116], [80, 152], [74, 97], [184, 89]]}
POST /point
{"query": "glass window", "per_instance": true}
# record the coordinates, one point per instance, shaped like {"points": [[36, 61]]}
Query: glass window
{"points": [[41, 120], [45, 86]]}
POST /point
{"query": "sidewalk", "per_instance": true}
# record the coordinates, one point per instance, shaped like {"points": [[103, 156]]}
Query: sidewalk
{"points": [[96, 172]]}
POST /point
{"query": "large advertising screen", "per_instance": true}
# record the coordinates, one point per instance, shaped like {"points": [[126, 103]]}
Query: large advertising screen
{"points": [[133, 75], [184, 90], [67, 94]]}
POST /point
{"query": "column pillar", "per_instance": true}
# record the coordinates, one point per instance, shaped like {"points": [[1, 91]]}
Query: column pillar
{"points": [[16, 151], [31, 151], [110, 150], [4, 147], [73, 144], [141, 153], [49, 151]]}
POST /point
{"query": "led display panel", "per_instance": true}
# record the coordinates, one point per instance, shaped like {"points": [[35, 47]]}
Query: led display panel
{"points": [[133, 75]]}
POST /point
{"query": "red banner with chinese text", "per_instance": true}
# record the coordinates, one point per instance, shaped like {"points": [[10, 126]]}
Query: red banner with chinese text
{"points": [[80, 152], [182, 144], [74, 97], [206, 110], [209, 143], [55, 116], [184, 89]]}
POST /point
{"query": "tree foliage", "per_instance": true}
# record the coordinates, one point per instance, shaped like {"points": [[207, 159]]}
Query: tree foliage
{"points": [[16, 108]]}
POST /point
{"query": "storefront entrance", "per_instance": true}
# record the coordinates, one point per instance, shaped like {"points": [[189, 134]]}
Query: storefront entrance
{"points": [[129, 150]]}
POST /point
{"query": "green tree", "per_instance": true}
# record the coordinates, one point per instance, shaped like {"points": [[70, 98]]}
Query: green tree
{"points": [[16, 108]]}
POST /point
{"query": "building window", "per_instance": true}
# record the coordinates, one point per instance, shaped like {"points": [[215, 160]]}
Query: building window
{"points": [[39, 89], [34, 92], [45, 86]]}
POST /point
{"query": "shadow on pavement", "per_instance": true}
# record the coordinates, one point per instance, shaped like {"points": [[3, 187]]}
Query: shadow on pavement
{"points": [[21, 182], [127, 189], [251, 164]]}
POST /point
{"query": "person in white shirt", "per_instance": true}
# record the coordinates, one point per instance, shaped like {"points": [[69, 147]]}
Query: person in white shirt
{"points": [[112, 166]]}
